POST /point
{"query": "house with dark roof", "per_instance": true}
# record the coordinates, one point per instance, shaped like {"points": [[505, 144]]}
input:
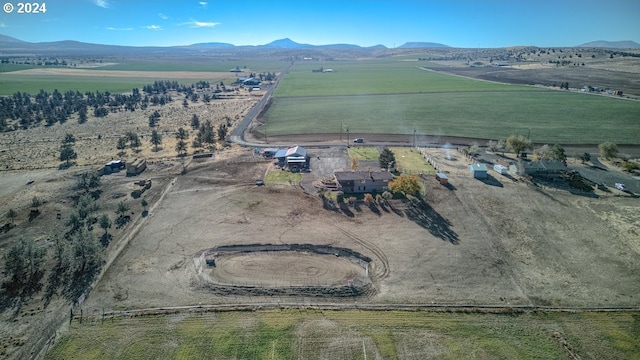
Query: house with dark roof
{"points": [[363, 181]]}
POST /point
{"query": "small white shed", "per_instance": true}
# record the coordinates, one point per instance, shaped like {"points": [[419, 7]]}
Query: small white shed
{"points": [[500, 169]]}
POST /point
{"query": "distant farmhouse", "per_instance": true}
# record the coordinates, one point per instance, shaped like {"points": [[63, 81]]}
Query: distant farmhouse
{"points": [[252, 81], [363, 181]]}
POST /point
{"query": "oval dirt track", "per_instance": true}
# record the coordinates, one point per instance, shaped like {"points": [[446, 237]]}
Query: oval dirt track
{"points": [[284, 268]]}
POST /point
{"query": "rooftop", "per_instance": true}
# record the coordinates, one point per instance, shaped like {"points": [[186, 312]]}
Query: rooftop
{"points": [[363, 175]]}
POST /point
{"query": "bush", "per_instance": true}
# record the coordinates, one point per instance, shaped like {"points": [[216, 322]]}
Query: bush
{"points": [[630, 166]]}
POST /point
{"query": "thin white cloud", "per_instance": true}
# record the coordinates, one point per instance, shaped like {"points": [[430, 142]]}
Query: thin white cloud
{"points": [[101, 3], [119, 29], [3, 25], [201, 24], [203, 4], [163, 16], [153, 27]]}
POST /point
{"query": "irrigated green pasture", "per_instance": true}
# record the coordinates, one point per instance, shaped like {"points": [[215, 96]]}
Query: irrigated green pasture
{"points": [[394, 97], [200, 64], [354, 334]]}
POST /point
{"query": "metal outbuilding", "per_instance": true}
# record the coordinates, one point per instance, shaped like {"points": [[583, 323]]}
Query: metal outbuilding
{"points": [[478, 171]]}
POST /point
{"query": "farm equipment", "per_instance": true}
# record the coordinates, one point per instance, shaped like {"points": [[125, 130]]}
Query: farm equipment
{"points": [[144, 186]]}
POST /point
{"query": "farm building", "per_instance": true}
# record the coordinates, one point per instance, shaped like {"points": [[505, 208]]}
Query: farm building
{"points": [[442, 178], [500, 169], [251, 82], [113, 166], [478, 171], [363, 181], [136, 167], [539, 168], [281, 156], [270, 153], [296, 158]]}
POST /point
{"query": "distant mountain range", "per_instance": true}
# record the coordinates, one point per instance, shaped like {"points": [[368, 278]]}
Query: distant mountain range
{"points": [[612, 44], [287, 43], [10, 45], [7, 42]]}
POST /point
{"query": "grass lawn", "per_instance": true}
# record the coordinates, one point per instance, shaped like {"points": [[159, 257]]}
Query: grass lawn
{"points": [[409, 160], [365, 153], [349, 334], [282, 177]]}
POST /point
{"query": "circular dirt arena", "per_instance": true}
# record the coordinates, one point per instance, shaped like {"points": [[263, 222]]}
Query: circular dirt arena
{"points": [[285, 270]]}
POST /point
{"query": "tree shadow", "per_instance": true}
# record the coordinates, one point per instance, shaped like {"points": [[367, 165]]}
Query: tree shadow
{"points": [[420, 212], [105, 239], [80, 281], [33, 214], [490, 180], [374, 209], [345, 210], [450, 186], [18, 291], [65, 165], [328, 204], [54, 281], [122, 221], [383, 207], [395, 210]]}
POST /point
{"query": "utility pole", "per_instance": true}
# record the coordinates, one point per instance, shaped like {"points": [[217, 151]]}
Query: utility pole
{"points": [[266, 139], [347, 137], [414, 137]]}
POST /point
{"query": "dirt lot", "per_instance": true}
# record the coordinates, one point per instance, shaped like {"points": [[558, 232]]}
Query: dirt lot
{"points": [[501, 242]]}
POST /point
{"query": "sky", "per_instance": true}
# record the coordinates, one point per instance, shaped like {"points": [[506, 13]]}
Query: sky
{"points": [[457, 23]]}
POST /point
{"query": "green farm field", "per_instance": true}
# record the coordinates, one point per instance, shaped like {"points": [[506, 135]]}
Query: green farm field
{"points": [[396, 97], [353, 334], [110, 76], [199, 64]]}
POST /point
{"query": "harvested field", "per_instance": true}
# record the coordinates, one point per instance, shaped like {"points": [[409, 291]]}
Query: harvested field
{"points": [[164, 75]]}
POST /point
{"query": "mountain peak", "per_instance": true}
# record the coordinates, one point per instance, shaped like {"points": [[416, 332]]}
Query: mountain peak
{"points": [[285, 43], [419, 45], [9, 39], [628, 44]]}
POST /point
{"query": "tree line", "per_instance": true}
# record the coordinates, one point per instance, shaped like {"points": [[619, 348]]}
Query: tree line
{"points": [[57, 107], [74, 260]]}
